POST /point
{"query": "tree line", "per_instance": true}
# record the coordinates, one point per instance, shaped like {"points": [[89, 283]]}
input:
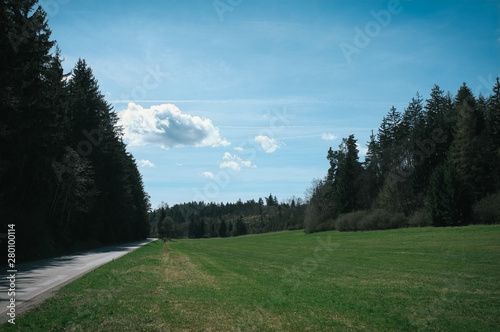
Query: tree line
{"points": [[436, 163], [66, 177], [200, 219]]}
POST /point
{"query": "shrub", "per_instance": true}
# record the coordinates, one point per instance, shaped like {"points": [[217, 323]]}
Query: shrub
{"points": [[382, 219], [349, 222], [487, 210], [325, 225], [370, 220], [419, 219]]}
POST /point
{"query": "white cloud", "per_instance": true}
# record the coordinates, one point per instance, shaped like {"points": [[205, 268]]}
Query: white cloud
{"points": [[269, 145], [362, 150], [208, 175], [165, 125], [234, 162], [239, 148], [146, 163], [328, 137]]}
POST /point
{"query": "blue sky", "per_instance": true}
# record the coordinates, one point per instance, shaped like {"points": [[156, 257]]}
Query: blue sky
{"points": [[230, 99]]}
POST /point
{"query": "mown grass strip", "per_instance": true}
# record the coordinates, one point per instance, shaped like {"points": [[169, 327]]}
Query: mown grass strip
{"points": [[398, 280]]}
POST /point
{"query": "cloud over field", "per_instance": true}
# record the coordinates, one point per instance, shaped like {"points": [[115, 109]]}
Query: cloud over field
{"points": [[328, 137], [146, 163], [269, 145], [234, 162], [165, 125]]}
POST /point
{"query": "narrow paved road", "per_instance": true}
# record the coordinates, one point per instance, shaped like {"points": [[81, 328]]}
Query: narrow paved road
{"points": [[36, 281]]}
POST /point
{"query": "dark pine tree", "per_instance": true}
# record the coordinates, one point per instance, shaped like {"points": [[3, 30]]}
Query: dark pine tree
{"points": [[32, 124], [448, 199], [222, 228], [348, 175]]}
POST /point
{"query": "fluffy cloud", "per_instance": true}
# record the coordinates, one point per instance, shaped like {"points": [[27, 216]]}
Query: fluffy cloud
{"points": [[362, 149], [208, 175], [328, 137], [165, 125], [146, 163], [234, 162], [269, 145]]}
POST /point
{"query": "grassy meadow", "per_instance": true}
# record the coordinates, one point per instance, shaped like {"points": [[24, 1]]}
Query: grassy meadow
{"points": [[421, 279]]}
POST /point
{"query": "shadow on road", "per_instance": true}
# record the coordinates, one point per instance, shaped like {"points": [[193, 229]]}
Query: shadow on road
{"points": [[25, 269]]}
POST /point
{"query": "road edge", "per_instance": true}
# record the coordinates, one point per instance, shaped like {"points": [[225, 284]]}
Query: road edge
{"points": [[38, 300]]}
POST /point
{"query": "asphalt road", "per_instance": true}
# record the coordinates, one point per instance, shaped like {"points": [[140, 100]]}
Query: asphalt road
{"points": [[36, 281]]}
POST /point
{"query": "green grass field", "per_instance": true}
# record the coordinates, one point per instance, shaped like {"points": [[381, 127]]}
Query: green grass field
{"points": [[426, 279]]}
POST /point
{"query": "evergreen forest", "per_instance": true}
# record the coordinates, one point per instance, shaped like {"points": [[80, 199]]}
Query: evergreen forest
{"points": [[67, 180], [437, 163]]}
